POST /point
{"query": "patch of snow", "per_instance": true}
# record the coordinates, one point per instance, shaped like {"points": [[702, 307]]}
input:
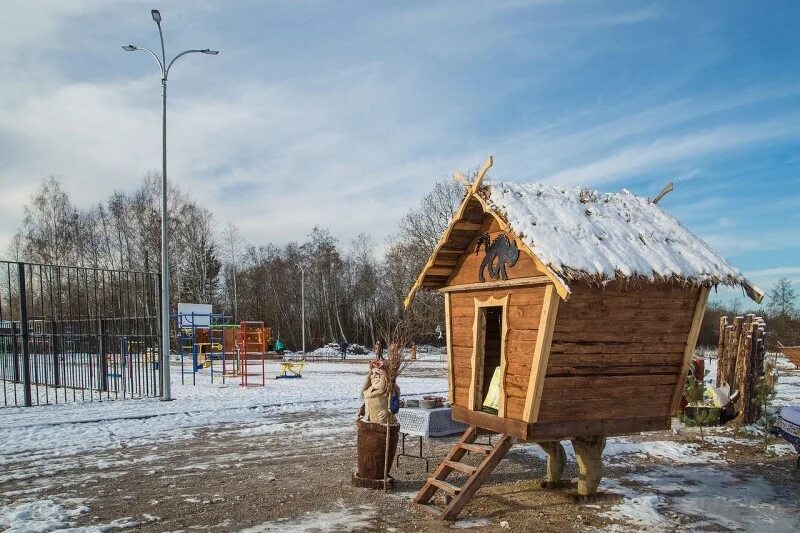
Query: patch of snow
{"points": [[620, 451], [721, 440], [468, 523], [340, 520], [781, 449], [37, 516], [675, 452], [638, 509], [127, 522], [731, 501]]}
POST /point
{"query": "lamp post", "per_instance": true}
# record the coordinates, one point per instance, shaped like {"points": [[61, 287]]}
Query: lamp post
{"points": [[164, 67], [303, 303]]}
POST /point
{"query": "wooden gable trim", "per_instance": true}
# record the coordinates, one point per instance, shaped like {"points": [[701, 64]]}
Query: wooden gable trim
{"points": [[439, 248], [457, 224], [688, 352], [477, 353], [541, 354], [454, 223]]}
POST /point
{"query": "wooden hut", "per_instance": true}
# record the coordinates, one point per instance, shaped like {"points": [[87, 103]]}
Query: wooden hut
{"points": [[570, 314]]}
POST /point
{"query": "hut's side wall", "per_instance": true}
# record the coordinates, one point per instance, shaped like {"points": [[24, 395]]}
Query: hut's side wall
{"points": [[617, 352], [524, 310], [467, 269]]}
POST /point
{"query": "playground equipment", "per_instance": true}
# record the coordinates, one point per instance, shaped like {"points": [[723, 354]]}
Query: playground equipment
{"points": [[291, 369], [201, 341], [251, 344], [206, 339]]}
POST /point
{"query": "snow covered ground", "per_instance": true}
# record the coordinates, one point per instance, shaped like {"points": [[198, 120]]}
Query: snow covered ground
{"points": [[63, 466], [79, 427]]}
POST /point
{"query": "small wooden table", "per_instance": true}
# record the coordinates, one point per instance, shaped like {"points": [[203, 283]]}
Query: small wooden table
{"points": [[425, 423]]}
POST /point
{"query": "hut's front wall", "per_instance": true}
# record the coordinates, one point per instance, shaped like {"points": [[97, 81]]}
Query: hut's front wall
{"points": [[617, 352], [523, 314]]}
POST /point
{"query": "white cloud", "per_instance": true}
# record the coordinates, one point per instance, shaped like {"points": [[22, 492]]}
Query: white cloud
{"points": [[641, 158], [320, 115], [776, 271]]}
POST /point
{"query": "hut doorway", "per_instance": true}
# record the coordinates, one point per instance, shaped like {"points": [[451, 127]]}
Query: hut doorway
{"points": [[490, 338]]}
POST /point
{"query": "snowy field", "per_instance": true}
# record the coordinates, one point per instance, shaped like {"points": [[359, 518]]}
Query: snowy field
{"points": [[79, 427], [278, 458]]}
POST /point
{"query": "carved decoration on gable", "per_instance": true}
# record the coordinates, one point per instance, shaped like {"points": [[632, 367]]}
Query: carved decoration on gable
{"points": [[500, 254]]}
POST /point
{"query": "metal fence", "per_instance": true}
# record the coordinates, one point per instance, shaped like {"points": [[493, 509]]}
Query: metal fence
{"points": [[75, 334]]}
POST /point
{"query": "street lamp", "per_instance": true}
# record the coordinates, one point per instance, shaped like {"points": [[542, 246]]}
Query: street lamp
{"points": [[164, 67], [303, 303]]}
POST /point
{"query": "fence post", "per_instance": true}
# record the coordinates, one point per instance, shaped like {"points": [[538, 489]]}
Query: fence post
{"points": [[101, 347], [23, 323], [54, 338], [15, 351]]}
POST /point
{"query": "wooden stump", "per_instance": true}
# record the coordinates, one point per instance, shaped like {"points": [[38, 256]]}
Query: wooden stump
{"points": [[372, 454]]}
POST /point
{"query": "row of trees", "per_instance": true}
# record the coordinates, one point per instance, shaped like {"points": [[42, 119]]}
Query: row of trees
{"points": [[351, 293], [123, 233]]}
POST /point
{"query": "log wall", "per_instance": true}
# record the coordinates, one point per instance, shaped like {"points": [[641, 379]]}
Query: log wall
{"points": [[617, 351], [524, 310]]}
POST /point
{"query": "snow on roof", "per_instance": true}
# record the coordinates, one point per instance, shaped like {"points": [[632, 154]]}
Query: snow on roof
{"points": [[580, 233]]}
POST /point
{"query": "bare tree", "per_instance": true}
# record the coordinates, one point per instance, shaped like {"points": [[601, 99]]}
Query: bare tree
{"points": [[232, 245], [782, 298]]}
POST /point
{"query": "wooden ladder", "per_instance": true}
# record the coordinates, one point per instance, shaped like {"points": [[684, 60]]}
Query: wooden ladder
{"points": [[458, 497]]}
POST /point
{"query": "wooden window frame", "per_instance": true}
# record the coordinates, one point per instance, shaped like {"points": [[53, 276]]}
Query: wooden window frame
{"points": [[477, 353]]}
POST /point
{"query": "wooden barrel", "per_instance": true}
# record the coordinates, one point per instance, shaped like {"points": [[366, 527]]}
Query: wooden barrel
{"points": [[371, 453]]}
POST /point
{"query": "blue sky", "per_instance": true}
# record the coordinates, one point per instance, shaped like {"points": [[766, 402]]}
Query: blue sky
{"points": [[344, 113]]}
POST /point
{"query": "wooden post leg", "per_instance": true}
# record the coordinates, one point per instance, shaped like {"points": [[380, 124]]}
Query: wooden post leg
{"points": [[556, 461], [589, 451]]}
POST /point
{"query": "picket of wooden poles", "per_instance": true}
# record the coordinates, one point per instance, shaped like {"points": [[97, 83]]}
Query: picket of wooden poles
{"points": [[741, 356]]}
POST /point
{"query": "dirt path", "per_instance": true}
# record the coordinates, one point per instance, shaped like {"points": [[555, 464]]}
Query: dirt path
{"points": [[288, 468], [292, 473]]}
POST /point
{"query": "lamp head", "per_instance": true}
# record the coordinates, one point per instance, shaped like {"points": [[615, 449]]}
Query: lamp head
{"points": [[130, 48], [156, 15], [210, 52]]}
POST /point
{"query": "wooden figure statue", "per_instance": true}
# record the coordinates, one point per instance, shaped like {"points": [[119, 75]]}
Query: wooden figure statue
{"points": [[375, 418], [376, 395]]}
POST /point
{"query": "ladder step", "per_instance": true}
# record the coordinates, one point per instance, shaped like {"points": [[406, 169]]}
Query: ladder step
{"points": [[444, 485], [428, 508], [477, 448], [461, 467]]}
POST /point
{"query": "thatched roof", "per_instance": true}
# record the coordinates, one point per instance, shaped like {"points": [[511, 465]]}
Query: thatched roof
{"points": [[575, 233], [581, 233]]}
